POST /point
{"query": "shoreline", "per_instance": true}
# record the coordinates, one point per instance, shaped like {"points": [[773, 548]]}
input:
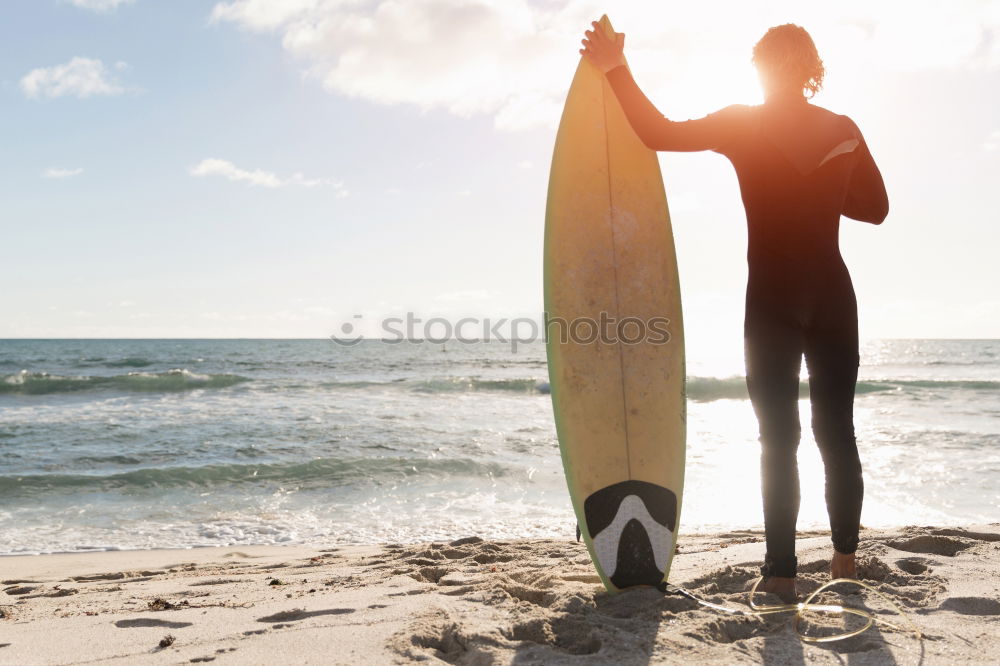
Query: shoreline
{"points": [[483, 601], [290, 546]]}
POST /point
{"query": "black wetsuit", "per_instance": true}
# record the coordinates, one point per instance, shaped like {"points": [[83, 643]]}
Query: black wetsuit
{"points": [[800, 167]]}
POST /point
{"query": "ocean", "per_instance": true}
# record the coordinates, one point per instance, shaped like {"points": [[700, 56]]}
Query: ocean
{"points": [[134, 444]]}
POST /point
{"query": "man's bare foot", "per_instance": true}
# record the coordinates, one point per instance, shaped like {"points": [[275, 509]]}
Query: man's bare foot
{"points": [[784, 588], [843, 566]]}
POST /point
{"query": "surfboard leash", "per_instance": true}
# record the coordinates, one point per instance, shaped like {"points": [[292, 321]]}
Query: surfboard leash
{"points": [[806, 606]]}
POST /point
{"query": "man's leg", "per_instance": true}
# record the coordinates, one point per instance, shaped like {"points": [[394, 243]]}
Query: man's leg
{"points": [[773, 359], [832, 359]]}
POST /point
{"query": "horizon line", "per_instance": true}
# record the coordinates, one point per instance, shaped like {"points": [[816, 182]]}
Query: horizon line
{"points": [[398, 340]]}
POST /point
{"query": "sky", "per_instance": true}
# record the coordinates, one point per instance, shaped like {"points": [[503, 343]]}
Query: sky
{"points": [[276, 168]]}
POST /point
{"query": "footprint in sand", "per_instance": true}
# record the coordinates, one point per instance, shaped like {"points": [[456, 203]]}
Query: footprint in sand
{"points": [[728, 580], [730, 630], [151, 622], [972, 605], [432, 637], [429, 574], [301, 614], [220, 581], [568, 634], [959, 532], [59, 592], [913, 565], [117, 575], [932, 545]]}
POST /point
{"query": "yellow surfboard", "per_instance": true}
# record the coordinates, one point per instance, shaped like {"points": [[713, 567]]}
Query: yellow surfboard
{"points": [[615, 339]]}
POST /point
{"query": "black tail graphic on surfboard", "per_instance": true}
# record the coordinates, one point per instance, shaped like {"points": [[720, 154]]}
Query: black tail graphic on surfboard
{"points": [[632, 526]]}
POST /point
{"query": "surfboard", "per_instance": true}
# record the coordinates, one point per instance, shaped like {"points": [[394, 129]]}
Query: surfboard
{"points": [[617, 394]]}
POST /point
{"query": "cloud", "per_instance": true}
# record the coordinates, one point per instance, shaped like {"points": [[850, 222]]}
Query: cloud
{"points": [[100, 5], [80, 77], [265, 14], [513, 59], [468, 57], [260, 178], [217, 167], [56, 172]]}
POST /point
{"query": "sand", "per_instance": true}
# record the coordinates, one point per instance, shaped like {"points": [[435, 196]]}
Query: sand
{"points": [[475, 601]]}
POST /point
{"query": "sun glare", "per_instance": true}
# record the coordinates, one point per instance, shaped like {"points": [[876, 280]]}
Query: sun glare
{"points": [[701, 84], [717, 82]]}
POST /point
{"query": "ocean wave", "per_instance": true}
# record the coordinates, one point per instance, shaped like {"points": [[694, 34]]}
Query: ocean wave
{"points": [[320, 472], [40, 383], [699, 389], [104, 460], [962, 384], [449, 385], [129, 362], [470, 384], [126, 362], [708, 389]]}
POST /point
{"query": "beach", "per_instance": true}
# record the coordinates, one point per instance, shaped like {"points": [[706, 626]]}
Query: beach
{"points": [[477, 601]]}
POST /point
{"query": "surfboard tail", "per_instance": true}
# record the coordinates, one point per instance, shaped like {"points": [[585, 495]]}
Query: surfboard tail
{"points": [[632, 526]]}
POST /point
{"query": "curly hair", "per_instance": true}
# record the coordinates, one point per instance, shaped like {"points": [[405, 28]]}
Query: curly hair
{"points": [[786, 54]]}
